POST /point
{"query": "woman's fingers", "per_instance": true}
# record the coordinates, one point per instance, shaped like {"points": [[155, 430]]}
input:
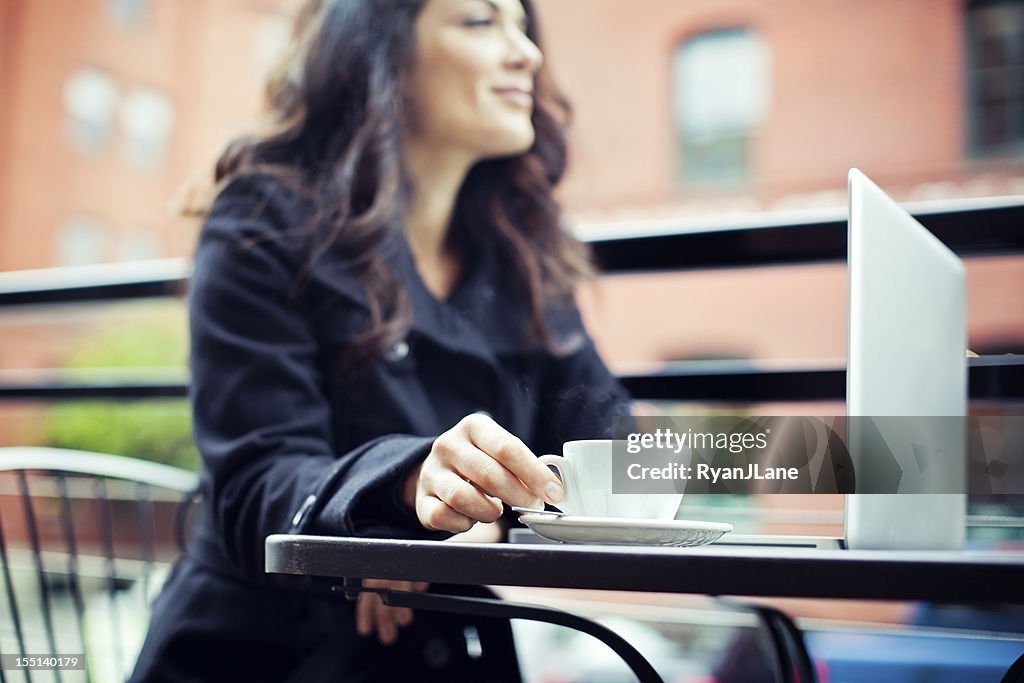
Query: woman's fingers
{"points": [[510, 452], [372, 615], [488, 475], [384, 617], [470, 470], [364, 616], [436, 515]]}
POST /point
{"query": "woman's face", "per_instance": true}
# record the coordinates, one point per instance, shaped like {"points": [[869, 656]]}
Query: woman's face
{"points": [[471, 82]]}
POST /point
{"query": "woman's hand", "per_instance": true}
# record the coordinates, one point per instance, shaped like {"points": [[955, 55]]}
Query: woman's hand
{"points": [[373, 615], [471, 469]]}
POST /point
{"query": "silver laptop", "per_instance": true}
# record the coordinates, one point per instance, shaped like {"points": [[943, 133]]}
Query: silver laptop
{"points": [[905, 357], [905, 360]]}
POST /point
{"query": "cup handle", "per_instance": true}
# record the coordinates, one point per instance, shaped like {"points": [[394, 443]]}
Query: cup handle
{"points": [[562, 468]]}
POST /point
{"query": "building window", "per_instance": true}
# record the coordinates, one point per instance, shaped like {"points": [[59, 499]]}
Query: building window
{"points": [[147, 120], [995, 38], [721, 91], [90, 100], [128, 14], [80, 242], [138, 245]]}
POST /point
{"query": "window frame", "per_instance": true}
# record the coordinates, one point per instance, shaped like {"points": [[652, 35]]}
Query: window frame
{"points": [[975, 149], [702, 181]]}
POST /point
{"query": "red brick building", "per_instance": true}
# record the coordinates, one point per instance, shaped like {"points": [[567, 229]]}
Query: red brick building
{"points": [[879, 85], [685, 111], [109, 105], [923, 95]]}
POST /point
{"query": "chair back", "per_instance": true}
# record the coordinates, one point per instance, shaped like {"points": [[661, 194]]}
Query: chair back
{"points": [[86, 540]]}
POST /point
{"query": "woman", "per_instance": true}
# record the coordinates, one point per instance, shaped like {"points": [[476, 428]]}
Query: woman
{"points": [[383, 337]]}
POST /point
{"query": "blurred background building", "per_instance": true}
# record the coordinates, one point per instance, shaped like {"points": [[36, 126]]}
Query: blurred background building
{"points": [[691, 113], [686, 114], [109, 106], [705, 107]]}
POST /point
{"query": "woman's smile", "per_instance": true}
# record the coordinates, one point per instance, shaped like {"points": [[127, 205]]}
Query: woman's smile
{"points": [[520, 97]]}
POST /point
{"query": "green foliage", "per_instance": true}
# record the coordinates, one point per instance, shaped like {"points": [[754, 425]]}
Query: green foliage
{"points": [[152, 430], [155, 339], [151, 345]]}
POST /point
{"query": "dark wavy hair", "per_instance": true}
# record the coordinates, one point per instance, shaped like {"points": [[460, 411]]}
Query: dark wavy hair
{"points": [[335, 136]]}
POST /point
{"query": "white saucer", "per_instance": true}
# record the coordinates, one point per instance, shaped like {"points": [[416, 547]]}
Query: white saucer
{"points": [[622, 531]]}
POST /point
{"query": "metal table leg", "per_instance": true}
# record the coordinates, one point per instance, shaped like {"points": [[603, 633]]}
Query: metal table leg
{"points": [[485, 607]]}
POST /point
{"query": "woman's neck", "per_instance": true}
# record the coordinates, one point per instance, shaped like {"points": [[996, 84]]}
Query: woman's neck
{"points": [[437, 176]]}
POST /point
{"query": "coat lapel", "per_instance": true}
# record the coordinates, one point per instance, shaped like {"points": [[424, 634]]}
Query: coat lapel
{"points": [[481, 319]]}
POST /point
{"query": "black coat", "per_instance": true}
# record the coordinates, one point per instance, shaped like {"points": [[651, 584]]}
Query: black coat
{"points": [[290, 443]]}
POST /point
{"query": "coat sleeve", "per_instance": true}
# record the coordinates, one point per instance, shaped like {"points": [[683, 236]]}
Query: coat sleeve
{"points": [[262, 418], [579, 396]]}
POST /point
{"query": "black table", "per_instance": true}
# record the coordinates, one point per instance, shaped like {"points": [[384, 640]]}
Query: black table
{"points": [[961, 576], [939, 576]]}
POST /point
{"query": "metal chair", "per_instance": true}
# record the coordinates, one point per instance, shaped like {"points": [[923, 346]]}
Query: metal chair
{"points": [[85, 541], [1015, 674]]}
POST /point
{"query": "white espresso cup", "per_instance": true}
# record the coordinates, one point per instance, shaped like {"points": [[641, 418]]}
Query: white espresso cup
{"points": [[585, 468]]}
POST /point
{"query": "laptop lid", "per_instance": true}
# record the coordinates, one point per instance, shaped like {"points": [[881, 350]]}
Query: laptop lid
{"points": [[905, 358]]}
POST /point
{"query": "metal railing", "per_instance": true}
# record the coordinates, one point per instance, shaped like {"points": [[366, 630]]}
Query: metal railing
{"points": [[975, 227]]}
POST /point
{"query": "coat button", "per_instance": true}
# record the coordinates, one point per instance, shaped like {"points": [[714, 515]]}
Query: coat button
{"points": [[303, 511], [400, 351]]}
